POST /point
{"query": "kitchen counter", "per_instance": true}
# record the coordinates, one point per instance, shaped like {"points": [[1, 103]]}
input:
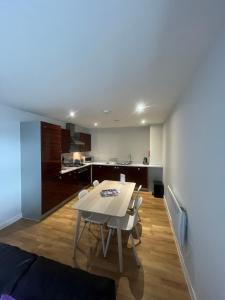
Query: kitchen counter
{"points": [[130, 165], [69, 169]]}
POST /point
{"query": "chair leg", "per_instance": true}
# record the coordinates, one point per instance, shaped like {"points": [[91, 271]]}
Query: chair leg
{"points": [[108, 240], [137, 233], [139, 219], [103, 240], [134, 250], [89, 227], [81, 232]]}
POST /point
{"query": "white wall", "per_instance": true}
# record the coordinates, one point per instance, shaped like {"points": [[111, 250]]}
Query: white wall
{"points": [[118, 143], [10, 167], [194, 167], [156, 140]]}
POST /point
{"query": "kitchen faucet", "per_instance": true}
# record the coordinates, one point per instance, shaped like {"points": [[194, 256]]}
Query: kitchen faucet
{"points": [[130, 161]]}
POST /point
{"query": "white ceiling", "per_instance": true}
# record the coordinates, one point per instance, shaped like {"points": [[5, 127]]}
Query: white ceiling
{"points": [[87, 56]]}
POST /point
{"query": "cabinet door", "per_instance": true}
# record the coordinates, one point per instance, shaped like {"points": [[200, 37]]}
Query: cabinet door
{"points": [[65, 186], [139, 175], [115, 172], [50, 165], [75, 182], [85, 138], [100, 173], [51, 193], [142, 177], [69, 184], [88, 143], [84, 175], [130, 173], [65, 140]]}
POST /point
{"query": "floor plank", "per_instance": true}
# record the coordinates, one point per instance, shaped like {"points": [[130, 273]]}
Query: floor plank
{"points": [[160, 276]]}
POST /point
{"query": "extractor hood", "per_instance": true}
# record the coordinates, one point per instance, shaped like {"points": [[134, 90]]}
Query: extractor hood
{"points": [[74, 137]]}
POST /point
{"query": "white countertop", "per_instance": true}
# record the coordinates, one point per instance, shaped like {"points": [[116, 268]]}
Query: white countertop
{"points": [[130, 165], [69, 169]]}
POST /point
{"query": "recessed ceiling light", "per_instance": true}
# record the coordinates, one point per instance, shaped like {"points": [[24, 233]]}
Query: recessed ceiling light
{"points": [[95, 124], [143, 121], [106, 111], [72, 114], [140, 108]]}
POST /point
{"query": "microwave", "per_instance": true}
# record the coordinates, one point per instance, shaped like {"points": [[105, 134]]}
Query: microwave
{"points": [[87, 159]]}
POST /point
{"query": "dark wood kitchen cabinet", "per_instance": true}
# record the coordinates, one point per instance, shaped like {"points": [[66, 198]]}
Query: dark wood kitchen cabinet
{"points": [[84, 176], [69, 184], [40, 167], [43, 187], [65, 140], [106, 172], [50, 165], [85, 139], [139, 175], [101, 172], [73, 181]]}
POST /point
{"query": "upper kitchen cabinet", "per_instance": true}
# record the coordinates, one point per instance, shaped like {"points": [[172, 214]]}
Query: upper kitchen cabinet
{"points": [[65, 140], [85, 141]]}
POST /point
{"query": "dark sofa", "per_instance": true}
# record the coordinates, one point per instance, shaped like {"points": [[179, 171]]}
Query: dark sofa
{"points": [[27, 276]]}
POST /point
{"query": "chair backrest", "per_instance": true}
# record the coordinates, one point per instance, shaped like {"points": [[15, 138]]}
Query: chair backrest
{"points": [[137, 195], [136, 208], [138, 190], [95, 183], [137, 204], [82, 194]]}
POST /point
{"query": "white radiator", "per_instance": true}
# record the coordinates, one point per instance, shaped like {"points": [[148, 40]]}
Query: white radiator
{"points": [[179, 218]]}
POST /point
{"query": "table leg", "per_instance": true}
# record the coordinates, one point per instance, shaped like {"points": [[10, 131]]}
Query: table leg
{"points": [[119, 239], [77, 230]]}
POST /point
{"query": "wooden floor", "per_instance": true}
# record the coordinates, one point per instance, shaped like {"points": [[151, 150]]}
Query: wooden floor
{"points": [[160, 277]]}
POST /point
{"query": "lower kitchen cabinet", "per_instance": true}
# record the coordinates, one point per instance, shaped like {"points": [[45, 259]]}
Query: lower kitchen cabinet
{"points": [[139, 175], [101, 172], [74, 181], [51, 193], [84, 176]]}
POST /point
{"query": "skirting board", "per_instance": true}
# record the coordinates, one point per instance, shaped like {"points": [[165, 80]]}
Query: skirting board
{"points": [[10, 221], [184, 268]]}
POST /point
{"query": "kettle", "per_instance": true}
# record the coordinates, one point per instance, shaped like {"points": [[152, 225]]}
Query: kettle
{"points": [[145, 161]]}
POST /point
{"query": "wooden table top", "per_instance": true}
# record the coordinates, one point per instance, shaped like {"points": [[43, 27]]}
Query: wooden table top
{"points": [[115, 206]]}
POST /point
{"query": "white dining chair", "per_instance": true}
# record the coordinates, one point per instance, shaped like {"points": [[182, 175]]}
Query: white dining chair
{"points": [[95, 183], [132, 201], [127, 223], [92, 218]]}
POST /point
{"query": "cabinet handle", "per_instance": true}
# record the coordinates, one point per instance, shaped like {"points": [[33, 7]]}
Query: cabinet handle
{"points": [[138, 169], [60, 177]]}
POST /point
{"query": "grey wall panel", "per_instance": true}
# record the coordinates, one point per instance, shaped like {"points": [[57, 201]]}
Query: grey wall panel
{"points": [[31, 169]]}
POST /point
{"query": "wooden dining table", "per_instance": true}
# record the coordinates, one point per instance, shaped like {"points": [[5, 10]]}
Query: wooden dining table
{"points": [[115, 206]]}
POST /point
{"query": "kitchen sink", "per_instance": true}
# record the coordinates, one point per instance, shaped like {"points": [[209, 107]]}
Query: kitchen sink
{"points": [[125, 163]]}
